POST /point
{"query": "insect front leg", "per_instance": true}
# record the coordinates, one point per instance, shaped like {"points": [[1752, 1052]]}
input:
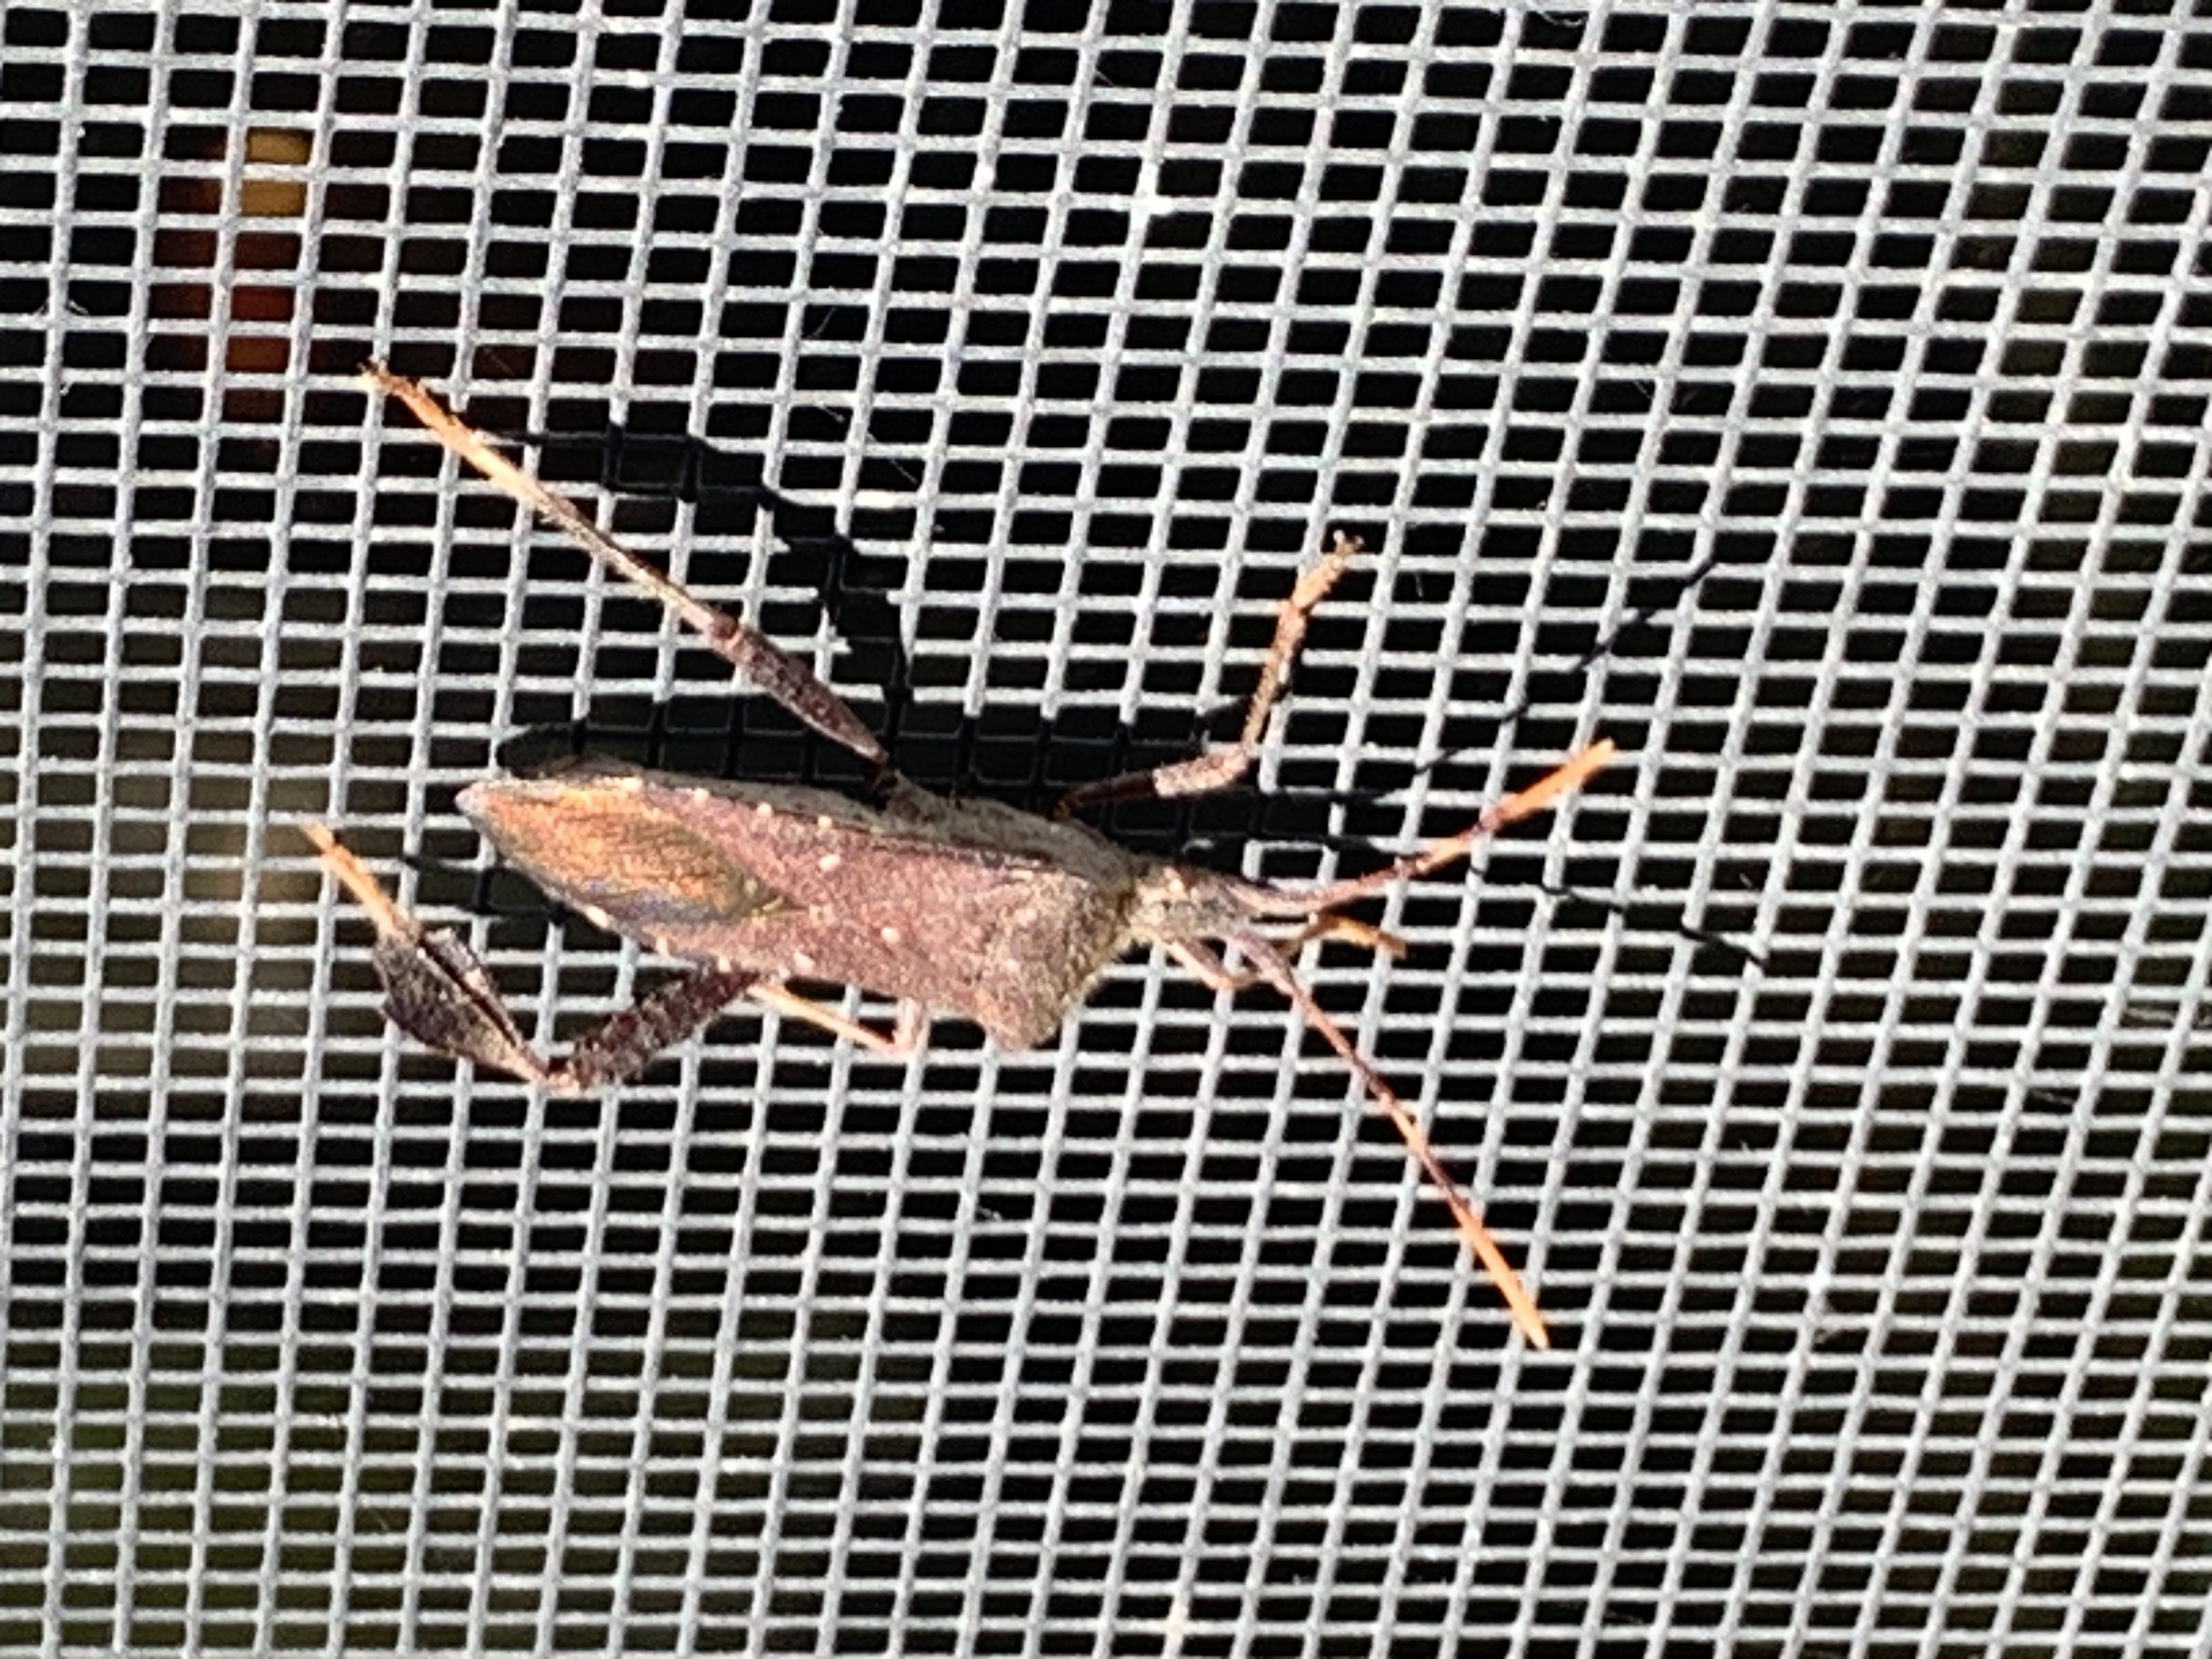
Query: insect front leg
{"points": [[775, 670], [1220, 767], [1270, 965], [1539, 795], [437, 991]]}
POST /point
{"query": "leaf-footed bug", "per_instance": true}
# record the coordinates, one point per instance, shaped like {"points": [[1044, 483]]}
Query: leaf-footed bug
{"points": [[968, 908]]}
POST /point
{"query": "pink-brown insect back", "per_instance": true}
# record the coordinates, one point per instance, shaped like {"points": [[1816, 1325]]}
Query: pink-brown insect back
{"points": [[966, 908]]}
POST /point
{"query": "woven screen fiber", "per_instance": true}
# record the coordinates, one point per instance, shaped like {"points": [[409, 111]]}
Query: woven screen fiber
{"points": [[1812, 399]]}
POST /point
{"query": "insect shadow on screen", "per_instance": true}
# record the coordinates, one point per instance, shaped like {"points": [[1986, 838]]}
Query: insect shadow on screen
{"points": [[1013, 753]]}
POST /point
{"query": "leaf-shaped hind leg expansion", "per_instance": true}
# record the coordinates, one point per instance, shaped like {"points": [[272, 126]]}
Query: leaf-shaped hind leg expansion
{"points": [[436, 990]]}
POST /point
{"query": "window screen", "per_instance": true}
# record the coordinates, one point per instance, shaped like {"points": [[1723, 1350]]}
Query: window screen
{"points": [[1811, 399]]}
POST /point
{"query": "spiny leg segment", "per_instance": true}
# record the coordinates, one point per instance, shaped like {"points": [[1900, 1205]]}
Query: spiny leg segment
{"points": [[775, 670], [437, 991]]}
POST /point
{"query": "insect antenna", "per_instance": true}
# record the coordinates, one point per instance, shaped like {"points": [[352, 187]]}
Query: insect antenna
{"points": [[1625, 909], [1272, 966]]}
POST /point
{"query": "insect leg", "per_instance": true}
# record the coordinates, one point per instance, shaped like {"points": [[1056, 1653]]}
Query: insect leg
{"points": [[905, 1037], [1347, 930], [625, 1043], [436, 990], [1271, 965], [1207, 969], [1285, 900], [775, 670], [1220, 767]]}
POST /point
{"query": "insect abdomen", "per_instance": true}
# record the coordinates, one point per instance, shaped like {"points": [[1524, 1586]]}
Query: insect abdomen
{"points": [[753, 879]]}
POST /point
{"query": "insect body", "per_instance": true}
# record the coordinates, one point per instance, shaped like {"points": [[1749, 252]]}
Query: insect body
{"points": [[959, 907], [967, 908]]}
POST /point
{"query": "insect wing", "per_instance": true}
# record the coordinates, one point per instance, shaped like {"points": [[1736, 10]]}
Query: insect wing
{"points": [[604, 847]]}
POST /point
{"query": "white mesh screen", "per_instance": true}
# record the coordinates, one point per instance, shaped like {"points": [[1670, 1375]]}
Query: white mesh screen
{"points": [[1811, 398]]}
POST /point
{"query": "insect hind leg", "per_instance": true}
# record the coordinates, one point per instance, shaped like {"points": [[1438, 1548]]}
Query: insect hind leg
{"points": [[437, 990], [770, 667]]}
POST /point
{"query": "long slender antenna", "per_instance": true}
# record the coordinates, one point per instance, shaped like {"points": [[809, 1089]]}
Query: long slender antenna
{"points": [[1270, 965]]}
